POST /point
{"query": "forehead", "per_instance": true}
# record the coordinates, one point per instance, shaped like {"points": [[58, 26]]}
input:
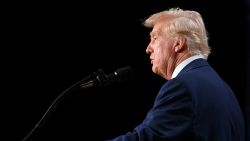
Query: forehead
{"points": [[157, 28]]}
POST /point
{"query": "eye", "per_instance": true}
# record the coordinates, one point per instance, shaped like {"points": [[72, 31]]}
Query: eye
{"points": [[153, 38]]}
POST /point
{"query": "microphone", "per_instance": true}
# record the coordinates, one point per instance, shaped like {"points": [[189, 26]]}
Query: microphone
{"points": [[101, 79], [98, 78]]}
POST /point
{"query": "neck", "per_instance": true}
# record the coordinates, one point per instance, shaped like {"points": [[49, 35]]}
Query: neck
{"points": [[175, 62], [181, 57]]}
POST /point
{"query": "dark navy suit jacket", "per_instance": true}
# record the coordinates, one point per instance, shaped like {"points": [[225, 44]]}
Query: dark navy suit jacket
{"points": [[197, 105]]}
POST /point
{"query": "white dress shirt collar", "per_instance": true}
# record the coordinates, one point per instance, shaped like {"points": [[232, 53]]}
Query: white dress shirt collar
{"points": [[178, 69]]}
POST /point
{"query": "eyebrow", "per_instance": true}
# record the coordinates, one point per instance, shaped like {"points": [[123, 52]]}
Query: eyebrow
{"points": [[153, 33]]}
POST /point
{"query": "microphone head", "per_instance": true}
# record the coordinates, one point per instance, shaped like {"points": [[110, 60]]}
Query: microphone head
{"points": [[124, 74], [101, 79], [119, 75]]}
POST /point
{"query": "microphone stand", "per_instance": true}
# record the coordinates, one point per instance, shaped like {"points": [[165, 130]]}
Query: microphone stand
{"points": [[80, 84]]}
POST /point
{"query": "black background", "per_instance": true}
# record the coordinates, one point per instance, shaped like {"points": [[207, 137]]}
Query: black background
{"points": [[53, 44]]}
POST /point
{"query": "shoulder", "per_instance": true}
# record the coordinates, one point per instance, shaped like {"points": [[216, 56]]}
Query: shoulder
{"points": [[173, 88]]}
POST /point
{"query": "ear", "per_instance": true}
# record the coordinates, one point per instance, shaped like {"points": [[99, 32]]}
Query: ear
{"points": [[180, 44]]}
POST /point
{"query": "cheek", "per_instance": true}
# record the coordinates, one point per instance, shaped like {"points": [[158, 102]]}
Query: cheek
{"points": [[161, 54]]}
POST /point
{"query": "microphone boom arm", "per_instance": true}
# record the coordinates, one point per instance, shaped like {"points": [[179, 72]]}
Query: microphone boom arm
{"points": [[54, 104]]}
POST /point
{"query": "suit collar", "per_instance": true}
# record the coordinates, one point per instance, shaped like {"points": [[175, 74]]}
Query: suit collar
{"points": [[195, 64]]}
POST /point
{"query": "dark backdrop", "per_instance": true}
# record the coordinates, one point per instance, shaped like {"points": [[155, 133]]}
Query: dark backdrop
{"points": [[53, 44]]}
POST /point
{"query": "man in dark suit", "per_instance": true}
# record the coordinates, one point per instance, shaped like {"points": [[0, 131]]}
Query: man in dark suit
{"points": [[195, 104]]}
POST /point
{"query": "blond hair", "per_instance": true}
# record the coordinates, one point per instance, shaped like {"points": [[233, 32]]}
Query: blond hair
{"points": [[187, 23]]}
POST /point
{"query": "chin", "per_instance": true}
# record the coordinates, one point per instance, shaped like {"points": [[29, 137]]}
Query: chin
{"points": [[155, 70]]}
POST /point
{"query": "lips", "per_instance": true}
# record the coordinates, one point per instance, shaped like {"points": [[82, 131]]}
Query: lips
{"points": [[152, 61], [151, 58]]}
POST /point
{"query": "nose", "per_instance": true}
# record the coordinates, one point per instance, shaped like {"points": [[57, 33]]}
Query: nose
{"points": [[149, 49]]}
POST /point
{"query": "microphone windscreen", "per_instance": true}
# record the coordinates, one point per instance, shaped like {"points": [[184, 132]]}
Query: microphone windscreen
{"points": [[125, 73]]}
